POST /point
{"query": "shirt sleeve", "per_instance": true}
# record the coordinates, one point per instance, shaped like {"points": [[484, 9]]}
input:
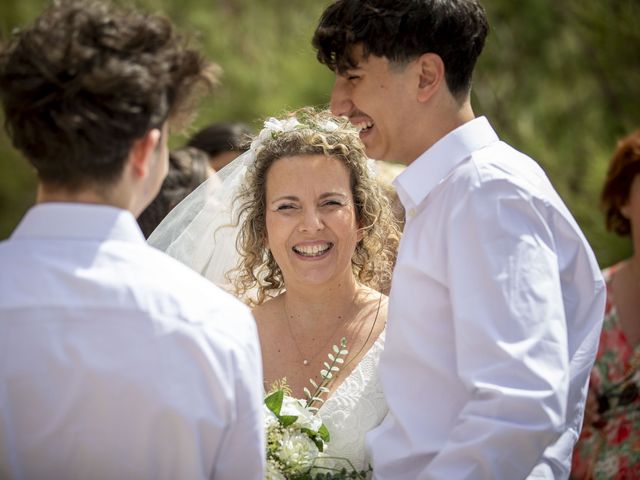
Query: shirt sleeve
{"points": [[243, 452], [510, 335]]}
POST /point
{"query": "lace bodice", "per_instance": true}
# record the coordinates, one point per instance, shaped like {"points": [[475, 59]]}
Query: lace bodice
{"points": [[356, 407]]}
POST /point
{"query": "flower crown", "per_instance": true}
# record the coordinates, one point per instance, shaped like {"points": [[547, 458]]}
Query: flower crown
{"points": [[274, 127]]}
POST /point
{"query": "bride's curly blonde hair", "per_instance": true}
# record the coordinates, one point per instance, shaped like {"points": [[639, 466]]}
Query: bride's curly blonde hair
{"points": [[315, 133]]}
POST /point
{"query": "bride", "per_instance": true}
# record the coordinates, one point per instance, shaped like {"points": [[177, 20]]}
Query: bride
{"points": [[316, 241]]}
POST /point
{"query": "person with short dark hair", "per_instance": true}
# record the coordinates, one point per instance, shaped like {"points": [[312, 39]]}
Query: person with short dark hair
{"points": [[608, 444], [117, 361], [222, 141], [496, 299]]}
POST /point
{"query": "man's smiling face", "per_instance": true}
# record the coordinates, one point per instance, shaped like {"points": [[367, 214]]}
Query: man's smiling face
{"points": [[377, 96]]}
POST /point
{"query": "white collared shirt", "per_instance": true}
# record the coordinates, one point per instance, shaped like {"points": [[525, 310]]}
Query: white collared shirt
{"points": [[117, 362], [495, 312]]}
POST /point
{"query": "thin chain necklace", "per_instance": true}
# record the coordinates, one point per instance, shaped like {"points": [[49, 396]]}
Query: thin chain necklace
{"points": [[373, 325], [306, 360]]}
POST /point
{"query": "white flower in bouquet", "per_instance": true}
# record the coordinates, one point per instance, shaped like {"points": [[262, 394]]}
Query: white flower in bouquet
{"points": [[297, 452], [306, 419], [273, 471], [296, 436]]}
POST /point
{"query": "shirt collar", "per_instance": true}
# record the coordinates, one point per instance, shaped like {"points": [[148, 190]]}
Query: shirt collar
{"points": [[79, 221], [416, 182]]}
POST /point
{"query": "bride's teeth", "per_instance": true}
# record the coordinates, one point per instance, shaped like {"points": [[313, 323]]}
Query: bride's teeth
{"points": [[312, 250]]}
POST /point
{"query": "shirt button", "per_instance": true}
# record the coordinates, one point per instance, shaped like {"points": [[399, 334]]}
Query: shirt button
{"points": [[412, 212]]}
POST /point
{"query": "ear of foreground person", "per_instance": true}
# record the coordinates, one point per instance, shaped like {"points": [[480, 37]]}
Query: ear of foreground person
{"points": [[115, 360]]}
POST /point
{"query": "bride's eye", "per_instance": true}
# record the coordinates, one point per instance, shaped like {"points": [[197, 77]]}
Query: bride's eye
{"points": [[285, 206]]}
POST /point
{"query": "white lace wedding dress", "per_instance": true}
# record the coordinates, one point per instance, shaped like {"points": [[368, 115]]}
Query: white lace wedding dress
{"points": [[356, 407]]}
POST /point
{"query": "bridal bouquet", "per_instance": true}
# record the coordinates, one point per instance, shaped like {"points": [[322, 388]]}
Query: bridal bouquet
{"points": [[296, 436]]}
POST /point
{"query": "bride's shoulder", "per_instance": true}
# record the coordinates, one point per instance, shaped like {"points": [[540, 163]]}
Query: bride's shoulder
{"points": [[372, 297], [268, 310]]}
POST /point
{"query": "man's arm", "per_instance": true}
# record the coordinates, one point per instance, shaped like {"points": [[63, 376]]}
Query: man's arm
{"points": [[510, 333]]}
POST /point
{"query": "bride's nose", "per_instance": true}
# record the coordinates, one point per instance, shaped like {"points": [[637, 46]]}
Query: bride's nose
{"points": [[311, 221]]}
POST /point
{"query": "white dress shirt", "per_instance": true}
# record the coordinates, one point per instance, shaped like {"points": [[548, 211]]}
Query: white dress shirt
{"points": [[495, 311], [116, 361]]}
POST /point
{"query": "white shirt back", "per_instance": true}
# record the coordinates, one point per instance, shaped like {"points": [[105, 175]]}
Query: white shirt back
{"points": [[494, 317], [117, 362]]}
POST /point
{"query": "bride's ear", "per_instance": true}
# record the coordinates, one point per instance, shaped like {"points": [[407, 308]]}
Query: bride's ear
{"points": [[360, 231]]}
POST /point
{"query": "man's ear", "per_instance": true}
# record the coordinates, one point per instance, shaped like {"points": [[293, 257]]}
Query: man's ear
{"points": [[142, 152], [430, 74]]}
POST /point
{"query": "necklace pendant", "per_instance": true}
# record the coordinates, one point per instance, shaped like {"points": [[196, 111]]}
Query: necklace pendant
{"points": [[305, 362]]}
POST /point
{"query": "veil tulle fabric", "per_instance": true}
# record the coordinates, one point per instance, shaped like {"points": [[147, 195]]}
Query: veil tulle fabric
{"points": [[201, 231]]}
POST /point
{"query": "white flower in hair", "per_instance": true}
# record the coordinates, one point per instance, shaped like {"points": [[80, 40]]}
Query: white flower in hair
{"points": [[330, 126], [273, 126]]}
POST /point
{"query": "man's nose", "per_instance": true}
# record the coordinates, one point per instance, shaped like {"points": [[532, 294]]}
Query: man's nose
{"points": [[341, 104]]}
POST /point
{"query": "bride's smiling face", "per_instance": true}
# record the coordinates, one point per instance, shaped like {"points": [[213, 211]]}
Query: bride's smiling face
{"points": [[312, 230]]}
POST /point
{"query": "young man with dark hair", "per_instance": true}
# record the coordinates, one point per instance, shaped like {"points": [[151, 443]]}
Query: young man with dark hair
{"points": [[117, 361], [496, 301]]}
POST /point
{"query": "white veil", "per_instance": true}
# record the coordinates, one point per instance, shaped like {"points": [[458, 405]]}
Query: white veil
{"points": [[201, 231]]}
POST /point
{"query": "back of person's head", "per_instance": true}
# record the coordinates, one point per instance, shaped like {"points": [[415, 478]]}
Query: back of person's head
{"points": [[86, 80], [221, 137], [188, 168], [222, 142], [402, 30], [623, 168]]}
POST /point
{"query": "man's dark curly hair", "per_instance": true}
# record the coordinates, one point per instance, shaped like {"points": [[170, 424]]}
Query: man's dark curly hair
{"points": [[402, 30], [86, 80]]}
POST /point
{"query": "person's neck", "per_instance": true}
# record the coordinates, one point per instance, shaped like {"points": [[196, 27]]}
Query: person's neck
{"points": [[313, 305], [444, 116], [48, 193]]}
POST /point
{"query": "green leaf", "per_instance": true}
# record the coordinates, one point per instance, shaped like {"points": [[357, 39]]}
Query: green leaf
{"points": [[323, 432], [307, 393], [339, 360], [286, 420], [336, 349], [274, 402], [331, 357]]}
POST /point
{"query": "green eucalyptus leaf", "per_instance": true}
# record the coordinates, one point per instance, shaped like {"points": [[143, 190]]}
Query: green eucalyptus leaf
{"points": [[274, 402], [324, 433], [286, 420]]}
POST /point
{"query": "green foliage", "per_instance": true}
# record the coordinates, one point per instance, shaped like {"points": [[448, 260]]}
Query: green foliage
{"points": [[558, 80]]}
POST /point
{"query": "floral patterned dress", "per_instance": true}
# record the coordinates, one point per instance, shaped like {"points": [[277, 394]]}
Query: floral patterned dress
{"points": [[609, 445]]}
